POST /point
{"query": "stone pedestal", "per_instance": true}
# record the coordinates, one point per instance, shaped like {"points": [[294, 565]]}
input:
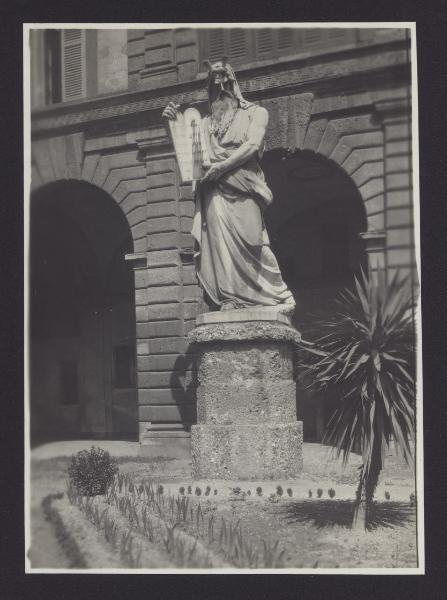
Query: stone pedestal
{"points": [[246, 397]]}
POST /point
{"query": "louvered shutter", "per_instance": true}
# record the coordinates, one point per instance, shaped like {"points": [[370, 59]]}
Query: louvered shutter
{"points": [[286, 39], [340, 35], [234, 43], [264, 42], [73, 64], [312, 37], [237, 46], [216, 45], [248, 45]]}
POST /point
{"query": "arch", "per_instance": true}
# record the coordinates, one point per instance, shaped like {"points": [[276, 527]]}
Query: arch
{"points": [[119, 174], [355, 142], [312, 192], [82, 300], [314, 225]]}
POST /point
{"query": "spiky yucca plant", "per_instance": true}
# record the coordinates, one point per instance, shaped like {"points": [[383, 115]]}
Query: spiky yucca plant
{"points": [[364, 356]]}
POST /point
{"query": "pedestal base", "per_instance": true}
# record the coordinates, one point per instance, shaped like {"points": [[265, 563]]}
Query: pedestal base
{"points": [[246, 398], [247, 452]]}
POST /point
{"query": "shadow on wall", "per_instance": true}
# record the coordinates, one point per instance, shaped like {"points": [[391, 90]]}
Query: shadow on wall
{"points": [[184, 384], [327, 513]]}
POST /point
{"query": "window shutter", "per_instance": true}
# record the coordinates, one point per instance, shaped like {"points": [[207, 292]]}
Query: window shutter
{"points": [[340, 35], [312, 36], [264, 41], [216, 45], [234, 43], [73, 64], [285, 39], [237, 45], [248, 45]]}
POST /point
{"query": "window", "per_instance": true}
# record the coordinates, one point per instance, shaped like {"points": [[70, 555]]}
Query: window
{"points": [[52, 62], [250, 45], [73, 64], [69, 382], [59, 65], [124, 366]]}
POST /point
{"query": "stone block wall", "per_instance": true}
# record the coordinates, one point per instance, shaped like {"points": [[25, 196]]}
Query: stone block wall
{"points": [[162, 57], [399, 226], [168, 299]]}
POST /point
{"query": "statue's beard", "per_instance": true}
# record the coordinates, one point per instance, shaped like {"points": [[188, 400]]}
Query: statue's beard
{"points": [[223, 107], [222, 117]]}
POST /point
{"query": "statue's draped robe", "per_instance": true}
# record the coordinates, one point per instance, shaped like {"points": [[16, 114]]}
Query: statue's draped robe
{"points": [[235, 264]]}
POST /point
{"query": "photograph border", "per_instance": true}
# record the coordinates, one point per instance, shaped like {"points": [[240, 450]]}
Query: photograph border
{"points": [[419, 448]]}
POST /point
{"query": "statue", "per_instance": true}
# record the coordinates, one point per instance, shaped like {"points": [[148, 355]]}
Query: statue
{"points": [[235, 264]]}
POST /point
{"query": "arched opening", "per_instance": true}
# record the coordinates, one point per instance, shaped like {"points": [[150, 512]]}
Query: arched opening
{"points": [[82, 316], [314, 225]]}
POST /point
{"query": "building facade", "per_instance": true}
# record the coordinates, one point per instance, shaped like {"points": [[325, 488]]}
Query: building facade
{"points": [[113, 289]]}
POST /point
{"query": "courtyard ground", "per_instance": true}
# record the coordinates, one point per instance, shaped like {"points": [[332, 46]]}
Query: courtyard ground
{"points": [[312, 532]]}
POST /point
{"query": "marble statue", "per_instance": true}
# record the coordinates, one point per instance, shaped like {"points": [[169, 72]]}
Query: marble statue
{"points": [[235, 264]]}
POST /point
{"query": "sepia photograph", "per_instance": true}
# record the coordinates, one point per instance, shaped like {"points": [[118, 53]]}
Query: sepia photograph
{"points": [[223, 342]]}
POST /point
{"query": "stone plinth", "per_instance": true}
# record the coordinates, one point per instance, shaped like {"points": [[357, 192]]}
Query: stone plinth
{"points": [[246, 397]]}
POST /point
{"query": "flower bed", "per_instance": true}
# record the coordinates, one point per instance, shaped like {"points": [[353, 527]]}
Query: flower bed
{"points": [[140, 525]]}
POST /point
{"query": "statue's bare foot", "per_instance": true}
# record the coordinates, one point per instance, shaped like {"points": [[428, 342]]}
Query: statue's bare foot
{"points": [[228, 305], [287, 307]]}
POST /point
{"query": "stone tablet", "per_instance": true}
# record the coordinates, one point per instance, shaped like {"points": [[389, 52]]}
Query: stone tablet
{"points": [[190, 149]]}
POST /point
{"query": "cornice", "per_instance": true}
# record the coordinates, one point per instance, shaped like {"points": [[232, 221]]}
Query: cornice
{"points": [[306, 73]]}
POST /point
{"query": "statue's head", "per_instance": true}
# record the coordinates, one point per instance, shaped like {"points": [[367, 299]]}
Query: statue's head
{"points": [[222, 83]]}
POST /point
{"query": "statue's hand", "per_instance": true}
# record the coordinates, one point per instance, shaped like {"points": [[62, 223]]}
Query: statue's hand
{"points": [[170, 112], [213, 173]]}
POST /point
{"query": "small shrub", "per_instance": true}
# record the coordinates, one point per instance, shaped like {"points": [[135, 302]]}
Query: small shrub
{"points": [[248, 493], [289, 492], [91, 471], [181, 490], [259, 490], [189, 489], [236, 490], [387, 495], [208, 490], [319, 492], [198, 491], [273, 498], [160, 490], [331, 492], [279, 491], [215, 492], [309, 493]]}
